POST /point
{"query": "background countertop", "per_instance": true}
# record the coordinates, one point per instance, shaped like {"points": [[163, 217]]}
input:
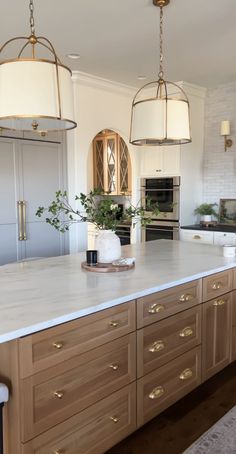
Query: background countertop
{"points": [[211, 228], [39, 294]]}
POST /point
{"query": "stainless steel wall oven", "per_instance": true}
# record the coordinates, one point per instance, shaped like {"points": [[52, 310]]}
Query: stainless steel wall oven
{"points": [[165, 193]]}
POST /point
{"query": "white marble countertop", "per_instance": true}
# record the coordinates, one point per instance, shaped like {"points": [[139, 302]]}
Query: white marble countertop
{"points": [[39, 294]]}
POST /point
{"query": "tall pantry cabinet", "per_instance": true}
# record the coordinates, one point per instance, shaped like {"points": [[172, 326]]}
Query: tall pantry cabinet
{"points": [[31, 170]]}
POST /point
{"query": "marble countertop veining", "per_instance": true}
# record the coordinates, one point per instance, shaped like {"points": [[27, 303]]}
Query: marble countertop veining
{"points": [[39, 294]]}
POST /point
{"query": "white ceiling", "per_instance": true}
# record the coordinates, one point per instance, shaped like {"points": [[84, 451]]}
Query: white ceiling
{"points": [[118, 39]]}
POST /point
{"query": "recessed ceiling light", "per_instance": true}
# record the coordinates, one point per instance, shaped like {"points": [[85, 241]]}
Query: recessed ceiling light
{"points": [[73, 56]]}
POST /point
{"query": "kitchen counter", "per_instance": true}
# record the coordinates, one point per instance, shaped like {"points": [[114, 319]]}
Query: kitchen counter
{"points": [[39, 294], [211, 228]]}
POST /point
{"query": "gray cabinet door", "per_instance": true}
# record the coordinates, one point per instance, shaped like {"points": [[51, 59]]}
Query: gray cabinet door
{"points": [[31, 172]]}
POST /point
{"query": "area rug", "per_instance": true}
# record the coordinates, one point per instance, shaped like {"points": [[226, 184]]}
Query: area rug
{"points": [[219, 439]]}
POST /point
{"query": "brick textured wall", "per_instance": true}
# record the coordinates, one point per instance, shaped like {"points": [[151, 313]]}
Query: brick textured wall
{"points": [[219, 167]]}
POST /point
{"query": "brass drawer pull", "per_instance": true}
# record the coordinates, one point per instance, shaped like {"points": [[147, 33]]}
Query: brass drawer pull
{"points": [[185, 298], [156, 392], [216, 285], [196, 237], [155, 308], [186, 374], [157, 346], [58, 394], [186, 332], [114, 419], [113, 324], [114, 366], [57, 345], [219, 302], [58, 451]]}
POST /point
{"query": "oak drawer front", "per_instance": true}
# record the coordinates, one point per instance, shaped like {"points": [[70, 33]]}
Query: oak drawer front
{"points": [[162, 304], [163, 341], [217, 284], [233, 352], [234, 308], [51, 396], [160, 389], [92, 431], [52, 346]]}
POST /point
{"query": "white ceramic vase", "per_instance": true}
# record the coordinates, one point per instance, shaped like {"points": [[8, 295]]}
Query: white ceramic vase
{"points": [[206, 218], [108, 245]]}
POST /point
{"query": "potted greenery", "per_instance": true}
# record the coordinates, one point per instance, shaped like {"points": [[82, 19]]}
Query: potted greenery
{"points": [[206, 211], [99, 209]]}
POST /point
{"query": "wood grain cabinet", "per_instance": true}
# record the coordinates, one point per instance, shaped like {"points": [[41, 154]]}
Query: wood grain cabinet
{"points": [[216, 334], [233, 349]]}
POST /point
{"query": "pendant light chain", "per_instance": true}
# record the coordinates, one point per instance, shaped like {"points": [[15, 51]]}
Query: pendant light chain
{"points": [[31, 8], [160, 74]]}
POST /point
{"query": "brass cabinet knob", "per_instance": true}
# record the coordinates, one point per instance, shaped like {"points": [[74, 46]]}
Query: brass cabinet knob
{"points": [[114, 366], [216, 285], [113, 323], [59, 451], [196, 237], [155, 308], [58, 394], [114, 419], [157, 346], [186, 374], [57, 345], [185, 297], [186, 332], [219, 302], [156, 392]]}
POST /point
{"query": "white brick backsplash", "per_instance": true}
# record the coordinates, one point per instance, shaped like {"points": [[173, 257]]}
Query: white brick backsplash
{"points": [[219, 167]]}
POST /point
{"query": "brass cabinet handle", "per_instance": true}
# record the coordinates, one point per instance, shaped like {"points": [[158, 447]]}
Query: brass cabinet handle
{"points": [[58, 394], [155, 308], [59, 451], [216, 285], [114, 366], [157, 346], [22, 220], [156, 392], [219, 302], [114, 419], [196, 237], [113, 323], [57, 345], [186, 374], [186, 332], [185, 297]]}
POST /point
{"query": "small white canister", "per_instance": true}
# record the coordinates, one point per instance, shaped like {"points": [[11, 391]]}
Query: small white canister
{"points": [[229, 250]]}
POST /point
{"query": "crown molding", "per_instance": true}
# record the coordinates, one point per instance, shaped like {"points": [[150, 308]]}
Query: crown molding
{"points": [[192, 89], [90, 80]]}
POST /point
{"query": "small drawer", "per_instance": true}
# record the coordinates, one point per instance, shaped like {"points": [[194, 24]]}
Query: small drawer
{"points": [[217, 284], [160, 389], [54, 395], [92, 431], [163, 341], [162, 304], [55, 345]]}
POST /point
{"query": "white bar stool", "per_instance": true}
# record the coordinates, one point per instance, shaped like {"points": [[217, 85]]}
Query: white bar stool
{"points": [[4, 396]]}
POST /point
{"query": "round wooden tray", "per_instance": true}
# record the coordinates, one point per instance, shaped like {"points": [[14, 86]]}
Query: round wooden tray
{"points": [[106, 267]]}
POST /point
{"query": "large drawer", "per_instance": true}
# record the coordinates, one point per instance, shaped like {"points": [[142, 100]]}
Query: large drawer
{"points": [[55, 345], [163, 341], [160, 389], [162, 304], [217, 284], [92, 431], [51, 396]]}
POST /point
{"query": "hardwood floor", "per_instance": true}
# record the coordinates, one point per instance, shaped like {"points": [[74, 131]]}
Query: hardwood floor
{"points": [[176, 428]]}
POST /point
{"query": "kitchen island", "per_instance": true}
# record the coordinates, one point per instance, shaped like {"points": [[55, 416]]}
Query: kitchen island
{"points": [[69, 340]]}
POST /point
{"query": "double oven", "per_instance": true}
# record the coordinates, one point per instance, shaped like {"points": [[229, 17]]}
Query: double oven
{"points": [[163, 193]]}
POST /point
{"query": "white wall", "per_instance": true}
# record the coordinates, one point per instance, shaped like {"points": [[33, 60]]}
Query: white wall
{"points": [[99, 104]]}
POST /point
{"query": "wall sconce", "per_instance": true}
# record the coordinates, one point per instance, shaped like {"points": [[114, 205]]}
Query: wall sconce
{"points": [[225, 131]]}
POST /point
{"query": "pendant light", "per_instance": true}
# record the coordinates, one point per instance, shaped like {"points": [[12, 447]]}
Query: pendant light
{"points": [[160, 109], [35, 92]]}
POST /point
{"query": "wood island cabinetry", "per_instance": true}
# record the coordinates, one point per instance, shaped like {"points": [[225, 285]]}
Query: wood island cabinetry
{"points": [[86, 384]]}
